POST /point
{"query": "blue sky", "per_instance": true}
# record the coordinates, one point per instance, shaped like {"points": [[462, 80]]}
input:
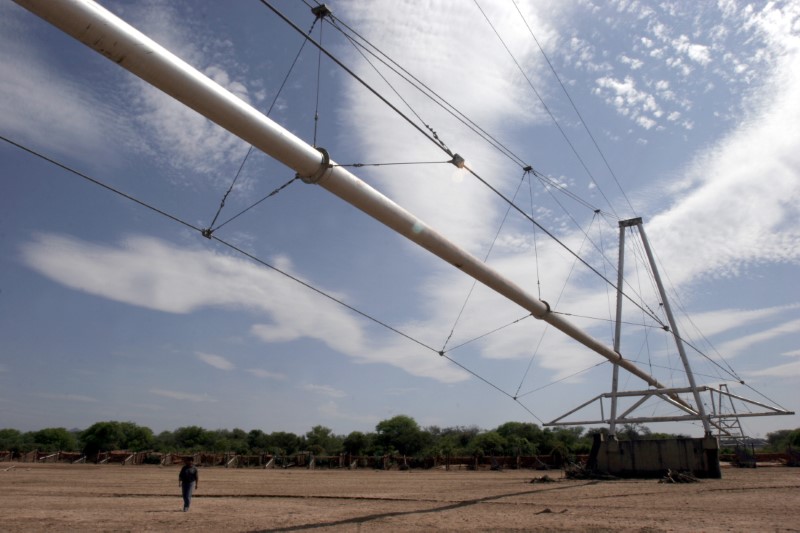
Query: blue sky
{"points": [[109, 311]]}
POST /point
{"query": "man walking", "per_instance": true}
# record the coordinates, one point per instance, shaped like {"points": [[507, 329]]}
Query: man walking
{"points": [[187, 481]]}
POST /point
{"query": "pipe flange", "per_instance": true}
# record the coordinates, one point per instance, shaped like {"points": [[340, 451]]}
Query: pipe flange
{"points": [[324, 166]]}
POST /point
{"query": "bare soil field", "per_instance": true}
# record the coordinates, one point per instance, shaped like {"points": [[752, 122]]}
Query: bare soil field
{"points": [[60, 497]]}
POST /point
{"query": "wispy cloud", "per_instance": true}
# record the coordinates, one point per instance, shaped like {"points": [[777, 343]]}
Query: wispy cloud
{"points": [[696, 52], [500, 100], [743, 344], [745, 220], [79, 119], [629, 100], [67, 397], [146, 406], [332, 410], [785, 371], [400, 391], [30, 103], [325, 390], [157, 275], [183, 396], [174, 134], [217, 361], [729, 49], [266, 374], [718, 321]]}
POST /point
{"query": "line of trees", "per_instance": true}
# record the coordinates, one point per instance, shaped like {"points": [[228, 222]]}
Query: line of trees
{"points": [[397, 435]]}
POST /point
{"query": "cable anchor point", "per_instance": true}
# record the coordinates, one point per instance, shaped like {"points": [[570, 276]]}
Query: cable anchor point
{"points": [[321, 11], [458, 161], [206, 233]]}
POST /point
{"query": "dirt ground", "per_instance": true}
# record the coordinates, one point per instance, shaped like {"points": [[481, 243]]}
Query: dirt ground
{"points": [[58, 497]]}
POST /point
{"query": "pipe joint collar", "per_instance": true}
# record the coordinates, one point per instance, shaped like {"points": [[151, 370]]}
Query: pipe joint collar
{"points": [[547, 310], [324, 166]]}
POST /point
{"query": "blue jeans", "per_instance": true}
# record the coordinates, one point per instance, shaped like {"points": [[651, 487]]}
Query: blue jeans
{"points": [[186, 490]]}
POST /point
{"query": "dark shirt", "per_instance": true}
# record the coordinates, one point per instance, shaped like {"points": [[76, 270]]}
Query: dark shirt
{"points": [[188, 474]]}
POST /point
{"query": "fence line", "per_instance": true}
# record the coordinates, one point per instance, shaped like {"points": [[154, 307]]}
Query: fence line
{"points": [[343, 461]]}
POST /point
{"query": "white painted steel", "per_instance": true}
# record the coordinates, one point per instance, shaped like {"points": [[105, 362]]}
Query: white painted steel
{"points": [[678, 341], [668, 395], [612, 426], [107, 34]]}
